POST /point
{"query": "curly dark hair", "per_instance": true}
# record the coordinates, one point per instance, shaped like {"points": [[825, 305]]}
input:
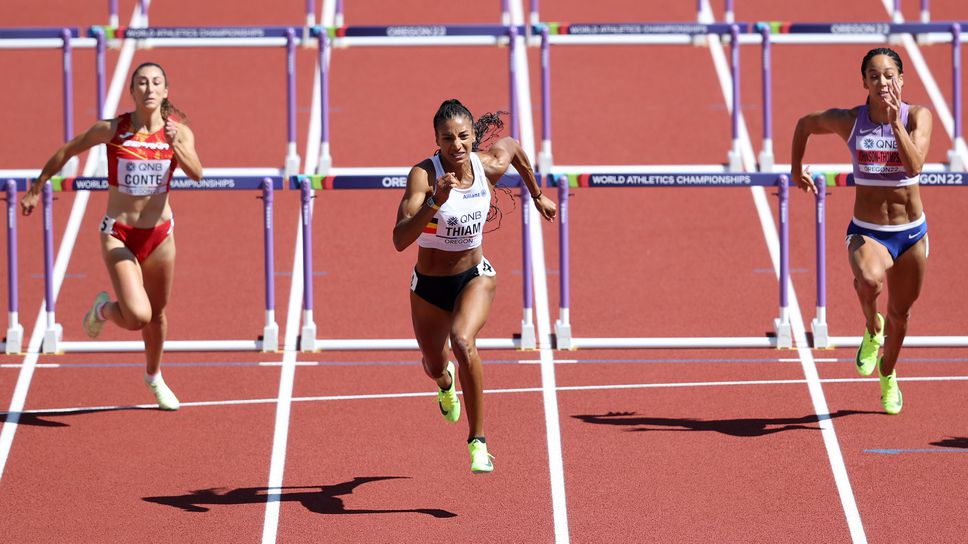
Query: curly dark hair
{"points": [[486, 129]]}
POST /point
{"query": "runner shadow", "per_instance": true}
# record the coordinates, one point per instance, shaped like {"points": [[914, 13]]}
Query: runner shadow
{"points": [[952, 442], [318, 499], [745, 427], [36, 418]]}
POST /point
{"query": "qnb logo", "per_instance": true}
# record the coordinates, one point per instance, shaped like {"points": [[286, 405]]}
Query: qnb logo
{"points": [[146, 145], [468, 224], [879, 144]]}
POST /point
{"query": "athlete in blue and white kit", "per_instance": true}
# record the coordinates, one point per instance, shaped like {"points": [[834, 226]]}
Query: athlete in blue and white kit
{"points": [[887, 237], [444, 210]]}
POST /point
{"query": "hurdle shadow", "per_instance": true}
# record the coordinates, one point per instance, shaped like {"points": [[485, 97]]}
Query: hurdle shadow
{"points": [[37, 418], [952, 442], [742, 427], [320, 499]]}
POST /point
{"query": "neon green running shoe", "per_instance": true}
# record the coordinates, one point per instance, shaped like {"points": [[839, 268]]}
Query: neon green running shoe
{"points": [[480, 459], [447, 399], [869, 346], [166, 399], [93, 325], [891, 398]]}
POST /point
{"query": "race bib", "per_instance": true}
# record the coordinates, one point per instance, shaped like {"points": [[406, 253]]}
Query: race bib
{"points": [[143, 177]]}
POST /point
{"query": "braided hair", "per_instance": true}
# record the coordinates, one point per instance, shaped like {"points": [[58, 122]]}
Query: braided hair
{"points": [[486, 129], [167, 107]]}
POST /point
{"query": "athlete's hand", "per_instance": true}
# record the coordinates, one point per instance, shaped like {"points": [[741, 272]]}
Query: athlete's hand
{"points": [[171, 130], [444, 184], [893, 100], [804, 180], [30, 200], [546, 207]]}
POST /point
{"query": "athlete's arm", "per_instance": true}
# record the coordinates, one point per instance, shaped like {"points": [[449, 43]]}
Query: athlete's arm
{"points": [[183, 142], [100, 132], [419, 204], [508, 152], [832, 121]]}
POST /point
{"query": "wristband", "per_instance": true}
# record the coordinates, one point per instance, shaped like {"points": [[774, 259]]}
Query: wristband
{"points": [[430, 203], [537, 196]]}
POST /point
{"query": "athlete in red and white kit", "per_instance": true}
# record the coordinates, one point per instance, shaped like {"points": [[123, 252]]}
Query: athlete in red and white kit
{"points": [[137, 242]]}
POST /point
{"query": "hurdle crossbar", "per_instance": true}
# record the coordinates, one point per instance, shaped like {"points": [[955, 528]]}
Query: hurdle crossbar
{"points": [[882, 32], [53, 335], [782, 337], [328, 177], [639, 33], [394, 179], [821, 338], [206, 36]]}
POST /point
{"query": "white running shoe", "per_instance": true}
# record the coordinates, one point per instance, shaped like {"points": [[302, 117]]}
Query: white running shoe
{"points": [[166, 399]]}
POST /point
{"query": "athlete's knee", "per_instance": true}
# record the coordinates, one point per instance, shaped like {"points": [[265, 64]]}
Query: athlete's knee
{"points": [[135, 319], [463, 343], [869, 281]]}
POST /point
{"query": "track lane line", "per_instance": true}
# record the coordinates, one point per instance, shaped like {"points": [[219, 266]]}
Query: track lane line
{"points": [[832, 445], [287, 377], [68, 240], [556, 470]]}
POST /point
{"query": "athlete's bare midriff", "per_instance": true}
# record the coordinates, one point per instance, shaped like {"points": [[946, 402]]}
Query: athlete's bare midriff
{"points": [[888, 205], [436, 262], [143, 212]]}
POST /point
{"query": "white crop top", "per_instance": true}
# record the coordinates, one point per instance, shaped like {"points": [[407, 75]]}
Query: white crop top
{"points": [[459, 223]]}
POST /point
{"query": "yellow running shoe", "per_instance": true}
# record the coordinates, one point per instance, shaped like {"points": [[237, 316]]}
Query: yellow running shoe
{"points": [[166, 399], [447, 399], [480, 459], [869, 346], [891, 398], [93, 325]]}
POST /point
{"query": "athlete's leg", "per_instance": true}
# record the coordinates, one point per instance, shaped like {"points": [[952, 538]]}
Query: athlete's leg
{"points": [[869, 261], [904, 281], [132, 310], [470, 314], [431, 326], [158, 271]]}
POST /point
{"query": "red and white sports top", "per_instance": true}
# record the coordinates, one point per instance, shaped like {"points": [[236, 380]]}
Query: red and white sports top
{"points": [[140, 164], [459, 223]]}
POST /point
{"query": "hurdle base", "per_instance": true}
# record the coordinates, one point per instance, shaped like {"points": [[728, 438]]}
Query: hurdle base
{"points": [[955, 163], [402, 344], [563, 335], [307, 340], [134, 346], [735, 161], [15, 340], [270, 338], [909, 342], [766, 161], [292, 166], [675, 343], [821, 339], [784, 334], [70, 168], [324, 164], [52, 339], [528, 339]]}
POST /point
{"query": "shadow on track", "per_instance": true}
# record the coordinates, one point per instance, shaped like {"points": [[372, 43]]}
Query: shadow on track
{"points": [[36, 418], [744, 427], [318, 499]]}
